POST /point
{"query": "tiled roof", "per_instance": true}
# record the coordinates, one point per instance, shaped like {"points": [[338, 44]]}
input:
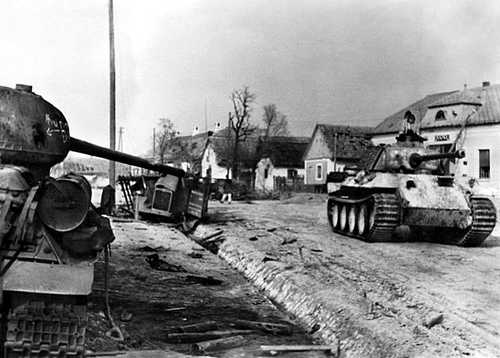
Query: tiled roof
{"points": [[487, 113], [285, 152], [393, 123], [349, 141]]}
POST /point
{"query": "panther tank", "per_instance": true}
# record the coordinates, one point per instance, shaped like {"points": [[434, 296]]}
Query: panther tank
{"points": [[50, 233], [404, 194]]}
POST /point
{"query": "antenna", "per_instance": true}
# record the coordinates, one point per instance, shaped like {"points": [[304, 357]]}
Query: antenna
{"points": [[120, 139], [206, 116]]}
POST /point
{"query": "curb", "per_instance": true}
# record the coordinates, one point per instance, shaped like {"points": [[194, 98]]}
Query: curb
{"points": [[314, 311]]}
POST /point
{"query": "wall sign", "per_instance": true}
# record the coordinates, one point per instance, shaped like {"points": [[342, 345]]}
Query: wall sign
{"points": [[441, 137]]}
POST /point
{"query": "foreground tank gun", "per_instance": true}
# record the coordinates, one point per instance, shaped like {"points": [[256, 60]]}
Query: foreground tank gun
{"points": [[50, 233], [404, 193]]}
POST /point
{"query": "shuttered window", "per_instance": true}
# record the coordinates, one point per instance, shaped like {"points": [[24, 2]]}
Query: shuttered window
{"points": [[484, 163]]}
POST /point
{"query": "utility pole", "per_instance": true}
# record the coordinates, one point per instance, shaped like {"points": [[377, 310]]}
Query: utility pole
{"points": [[112, 95]]}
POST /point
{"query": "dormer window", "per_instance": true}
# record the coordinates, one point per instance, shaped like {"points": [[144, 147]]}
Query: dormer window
{"points": [[440, 116]]}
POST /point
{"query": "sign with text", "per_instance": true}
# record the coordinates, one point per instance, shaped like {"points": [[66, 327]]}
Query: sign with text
{"points": [[441, 137]]}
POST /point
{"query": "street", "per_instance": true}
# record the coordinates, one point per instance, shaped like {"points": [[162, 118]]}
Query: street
{"points": [[384, 299]]}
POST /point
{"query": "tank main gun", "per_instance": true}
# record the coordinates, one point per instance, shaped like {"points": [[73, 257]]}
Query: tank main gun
{"points": [[84, 147], [416, 159]]}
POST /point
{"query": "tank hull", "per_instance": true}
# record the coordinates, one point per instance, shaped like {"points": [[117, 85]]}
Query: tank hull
{"points": [[396, 207]]}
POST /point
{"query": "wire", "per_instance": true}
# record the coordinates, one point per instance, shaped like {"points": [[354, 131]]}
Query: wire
{"points": [[114, 333]]}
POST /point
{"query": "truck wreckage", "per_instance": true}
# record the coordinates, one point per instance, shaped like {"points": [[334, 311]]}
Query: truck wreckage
{"points": [[50, 233]]}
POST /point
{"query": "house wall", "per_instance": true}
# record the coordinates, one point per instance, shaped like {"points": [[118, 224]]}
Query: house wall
{"points": [[476, 138], [267, 184], [318, 148], [209, 160]]}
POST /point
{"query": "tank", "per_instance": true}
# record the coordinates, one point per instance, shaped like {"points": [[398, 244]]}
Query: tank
{"points": [[404, 193], [50, 234]]}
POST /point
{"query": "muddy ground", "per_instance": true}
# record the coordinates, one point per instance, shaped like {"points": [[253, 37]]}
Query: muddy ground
{"points": [[158, 301], [387, 291]]}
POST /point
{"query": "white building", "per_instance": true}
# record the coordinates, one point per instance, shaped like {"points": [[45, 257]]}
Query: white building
{"points": [[280, 157], [470, 119], [331, 149]]}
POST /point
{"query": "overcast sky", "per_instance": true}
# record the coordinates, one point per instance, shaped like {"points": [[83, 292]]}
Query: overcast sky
{"points": [[342, 62]]}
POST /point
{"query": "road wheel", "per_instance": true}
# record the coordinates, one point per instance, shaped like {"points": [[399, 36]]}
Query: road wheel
{"points": [[334, 212], [362, 218], [343, 217], [351, 219], [371, 220]]}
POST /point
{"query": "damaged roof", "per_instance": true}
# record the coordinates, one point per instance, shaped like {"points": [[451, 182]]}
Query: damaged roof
{"points": [[285, 152]]}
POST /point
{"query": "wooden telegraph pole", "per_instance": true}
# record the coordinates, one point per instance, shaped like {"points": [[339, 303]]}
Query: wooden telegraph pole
{"points": [[112, 95]]}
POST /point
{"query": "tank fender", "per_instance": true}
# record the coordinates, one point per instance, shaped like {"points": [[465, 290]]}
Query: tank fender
{"points": [[42, 278]]}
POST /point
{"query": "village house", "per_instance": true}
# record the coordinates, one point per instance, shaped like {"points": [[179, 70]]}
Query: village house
{"points": [[280, 157], [186, 152], [331, 149], [467, 119]]}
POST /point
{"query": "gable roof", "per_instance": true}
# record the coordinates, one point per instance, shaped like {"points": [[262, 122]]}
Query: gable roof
{"points": [[187, 148], [393, 123], [285, 152], [487, 113], [346, 142]]}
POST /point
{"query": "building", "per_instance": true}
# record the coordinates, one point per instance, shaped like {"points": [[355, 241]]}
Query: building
{"points": [[186, 152], [467, 119], [280, 157], [332, 148], [217, 157]]}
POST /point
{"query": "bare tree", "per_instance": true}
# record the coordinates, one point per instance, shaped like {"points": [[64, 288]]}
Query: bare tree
{"points": [[165, 134], [239, 123], [275, 122]]}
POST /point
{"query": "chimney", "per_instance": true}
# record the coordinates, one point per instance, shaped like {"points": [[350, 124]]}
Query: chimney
{"points": [[24, 88], [486, 83]]}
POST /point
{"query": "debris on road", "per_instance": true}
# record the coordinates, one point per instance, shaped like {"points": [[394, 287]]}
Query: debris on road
{"points": [[204, 280], [434, 320], [299, 348], [219, 344], [289, 240], [192, 337], [158, 264], [196, 327], [273, 328], [126, 316], [195, 255]]}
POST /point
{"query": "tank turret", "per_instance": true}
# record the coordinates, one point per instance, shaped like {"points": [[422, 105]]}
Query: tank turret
{"points": [[50, 233], [404, 190]]}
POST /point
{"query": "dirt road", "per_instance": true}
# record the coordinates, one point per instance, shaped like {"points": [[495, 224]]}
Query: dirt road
{"points": [[381, 293], [148, 303]]}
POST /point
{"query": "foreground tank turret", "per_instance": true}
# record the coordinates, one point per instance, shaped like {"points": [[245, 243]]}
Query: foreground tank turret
{"points": [[50, 234], [405, 194]]}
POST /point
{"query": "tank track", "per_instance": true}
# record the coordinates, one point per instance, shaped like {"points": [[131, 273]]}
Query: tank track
{"points": [[484, 218], [37, 329], [380, 214]]}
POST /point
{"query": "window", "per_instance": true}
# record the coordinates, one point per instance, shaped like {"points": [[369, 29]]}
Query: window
{"points": [[440, 116], [292, 173], [266, 172], [319, 171], [484, 163]]}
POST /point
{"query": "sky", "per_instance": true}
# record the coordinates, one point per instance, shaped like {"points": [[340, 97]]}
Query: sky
{"points": [[320, 61]]}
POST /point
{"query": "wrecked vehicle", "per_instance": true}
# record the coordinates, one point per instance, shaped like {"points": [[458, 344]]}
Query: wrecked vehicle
{"points": [[176, 196], [404, 194], [50, 234]]}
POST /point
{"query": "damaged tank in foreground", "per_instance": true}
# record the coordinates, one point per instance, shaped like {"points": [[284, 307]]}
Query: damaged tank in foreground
{"points": [[50, 234], [404, 195]]}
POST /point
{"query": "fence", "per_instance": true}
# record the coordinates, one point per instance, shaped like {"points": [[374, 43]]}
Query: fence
{"points": [[284, 184]]}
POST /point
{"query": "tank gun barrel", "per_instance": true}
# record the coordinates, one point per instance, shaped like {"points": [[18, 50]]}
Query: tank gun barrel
{"points": [[81, 146], [416, 159]]}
